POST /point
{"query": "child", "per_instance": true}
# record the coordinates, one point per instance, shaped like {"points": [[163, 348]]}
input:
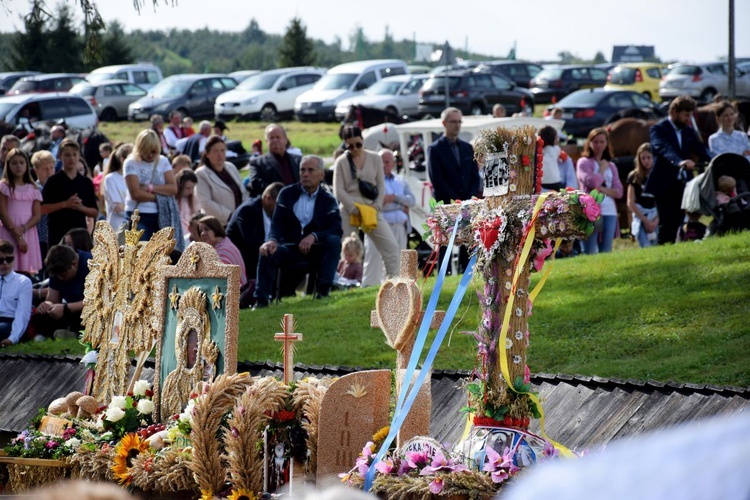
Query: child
{"points": [[181, 161], [105, 151], [68, 197], [20, 210], [43, 164], [350, 266], [726, 189], [551, 178], [257, 148], [645, 223], [187, 126], [186, 199], [693, 229]]}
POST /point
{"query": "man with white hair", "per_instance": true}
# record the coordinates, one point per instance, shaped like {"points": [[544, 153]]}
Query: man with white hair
{"points": [[398, 199], [275, 166], [194, 145]]}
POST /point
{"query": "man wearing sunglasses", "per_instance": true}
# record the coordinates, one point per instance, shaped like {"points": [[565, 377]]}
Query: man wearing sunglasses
{"points": [[453, 170], [15, 298]]}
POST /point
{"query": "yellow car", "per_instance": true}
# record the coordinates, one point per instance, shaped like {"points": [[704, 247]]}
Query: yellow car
{"points": [[641, 77]]}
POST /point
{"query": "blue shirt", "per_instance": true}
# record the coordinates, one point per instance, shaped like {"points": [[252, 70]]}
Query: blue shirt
{"points": [[737, 142], [393, 212], [15, 302], [305, 206], [72, 290]]}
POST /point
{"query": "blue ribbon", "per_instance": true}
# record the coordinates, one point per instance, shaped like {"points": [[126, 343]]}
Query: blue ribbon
{"points": [[403, 410]]}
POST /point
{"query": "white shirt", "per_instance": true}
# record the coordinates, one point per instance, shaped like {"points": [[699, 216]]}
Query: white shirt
{"points": [[266, 225], [115, 191], [146, 175], [15, 302]]}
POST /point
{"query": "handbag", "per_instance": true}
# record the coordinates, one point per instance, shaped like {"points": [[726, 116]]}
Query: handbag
{"points": [[125, 226], [366, 188]]}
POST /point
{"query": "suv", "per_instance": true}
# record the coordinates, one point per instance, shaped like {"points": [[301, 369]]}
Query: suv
{"points": [[641, 77], [55, 82], [520, 72], [552, 84], [702, 81], [110, 98], [268, 95], [145, 75], [72, 109], [473, 92], [192, 95]]}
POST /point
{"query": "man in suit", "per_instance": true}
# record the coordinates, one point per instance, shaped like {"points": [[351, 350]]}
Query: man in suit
{"points": [[306, 227], [275, 166], [673, 143], [453, 170]]}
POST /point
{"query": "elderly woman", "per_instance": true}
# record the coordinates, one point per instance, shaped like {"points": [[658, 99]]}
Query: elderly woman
{"points": [[212, 232], [358, 163], [220, 190]]}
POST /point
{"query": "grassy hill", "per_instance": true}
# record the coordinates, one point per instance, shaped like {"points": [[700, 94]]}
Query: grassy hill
{"points": [[670, 313]]}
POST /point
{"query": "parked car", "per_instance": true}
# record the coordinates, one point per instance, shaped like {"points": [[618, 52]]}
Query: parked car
{"points": [[642, 77], [587, 109], [474, 93], [192, 95], [552, 84], [74, 110], [269, 95], [110, 98], [242, 75], [54, 82], [8, 79], [702, 81], [398, 95], [519, 72], [145, 75], [343, 81]]}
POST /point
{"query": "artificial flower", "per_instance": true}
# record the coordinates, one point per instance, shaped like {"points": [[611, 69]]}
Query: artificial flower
{"points": [[118, 402], [385, 466], [417, 459], [526, 373], [90, 358], [140, 388], [499, 466], [240, 494], [114, 414], [436, 486], [73, 443], [441, 463], [591, 209], [145, 407], [129, 447]]}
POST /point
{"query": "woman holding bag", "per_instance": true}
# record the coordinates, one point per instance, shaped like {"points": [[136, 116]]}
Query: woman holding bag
{"points": [[358, 179], [147, 174]]}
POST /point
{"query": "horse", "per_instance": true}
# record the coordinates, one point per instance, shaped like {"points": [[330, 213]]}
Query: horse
{"points": [[364, 117]]}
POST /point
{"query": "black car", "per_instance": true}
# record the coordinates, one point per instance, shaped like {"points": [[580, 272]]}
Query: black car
{"points": [[552, 84], [192, 95], [474, 93], [587, 109], [520, 72]]}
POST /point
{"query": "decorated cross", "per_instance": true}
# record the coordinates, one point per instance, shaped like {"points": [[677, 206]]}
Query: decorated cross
{"points": [[288, 338], [511, 231]]}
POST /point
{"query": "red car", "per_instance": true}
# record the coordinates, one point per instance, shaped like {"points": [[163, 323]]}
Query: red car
{"points": [[53, 82]]}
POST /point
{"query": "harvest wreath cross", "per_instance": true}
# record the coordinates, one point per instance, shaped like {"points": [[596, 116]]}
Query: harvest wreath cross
{"points": [[511, 231]]}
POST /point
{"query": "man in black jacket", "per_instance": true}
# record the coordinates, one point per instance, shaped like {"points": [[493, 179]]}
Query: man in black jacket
{"points": [[306, 227], [275, 166]]}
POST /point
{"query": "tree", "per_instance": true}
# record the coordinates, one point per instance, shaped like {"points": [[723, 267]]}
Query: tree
{"points": [[599, 58], [64, 45], [28, 49], [296, 49], [115, 48], [387, 49], [253, 33]]}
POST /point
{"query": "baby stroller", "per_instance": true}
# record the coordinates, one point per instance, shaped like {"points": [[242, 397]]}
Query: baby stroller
{"points": [[731, 216]]}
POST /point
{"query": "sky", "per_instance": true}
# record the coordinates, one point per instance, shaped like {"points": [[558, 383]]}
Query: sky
{"points": [[680, 30]]}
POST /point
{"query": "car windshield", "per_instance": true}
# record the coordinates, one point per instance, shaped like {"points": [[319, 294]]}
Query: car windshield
{"points": [[384, 88], [549, 74], [170, 88], [5, 108], [623, 76], [99, 77], [581, 98], [259, 82], [438, 83], [83, 89], [335, 81]]}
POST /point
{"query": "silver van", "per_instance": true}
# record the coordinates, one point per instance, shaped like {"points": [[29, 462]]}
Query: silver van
{"points": [[145, 75], [343, 81]]}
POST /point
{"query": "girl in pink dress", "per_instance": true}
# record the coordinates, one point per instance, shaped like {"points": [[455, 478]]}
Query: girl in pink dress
{"points": [[20, 210]]}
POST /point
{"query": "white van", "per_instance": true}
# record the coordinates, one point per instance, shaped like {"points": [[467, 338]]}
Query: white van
{"points": [[145, 75], [342, 81]]}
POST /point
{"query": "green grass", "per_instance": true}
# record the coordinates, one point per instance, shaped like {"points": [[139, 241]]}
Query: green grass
{"points": [[313, 138], [670, 313]]}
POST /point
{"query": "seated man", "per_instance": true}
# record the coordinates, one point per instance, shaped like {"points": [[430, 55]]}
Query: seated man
{"points": [[278, 165], [60, 314], [306, 227], [15, 298]]}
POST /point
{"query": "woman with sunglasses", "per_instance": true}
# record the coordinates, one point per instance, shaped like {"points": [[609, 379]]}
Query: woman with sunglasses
{"points": [[355, 164]]}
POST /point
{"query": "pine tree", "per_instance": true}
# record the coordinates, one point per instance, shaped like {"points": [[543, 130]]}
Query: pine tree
{"points": [[29, 48], [115, 49], [65, 47], [296, 49]]}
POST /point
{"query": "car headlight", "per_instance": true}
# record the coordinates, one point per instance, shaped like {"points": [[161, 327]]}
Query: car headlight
{"points": [[252, 101]]}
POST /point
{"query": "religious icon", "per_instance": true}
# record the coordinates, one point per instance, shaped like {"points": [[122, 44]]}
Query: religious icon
{"points": [[496, 174], [116, 326]]}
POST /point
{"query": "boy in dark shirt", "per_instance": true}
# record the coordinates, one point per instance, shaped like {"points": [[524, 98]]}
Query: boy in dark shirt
{"points": [[68, 197]]}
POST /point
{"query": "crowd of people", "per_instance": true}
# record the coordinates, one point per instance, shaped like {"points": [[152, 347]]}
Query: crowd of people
{"points": [[283, 222]]}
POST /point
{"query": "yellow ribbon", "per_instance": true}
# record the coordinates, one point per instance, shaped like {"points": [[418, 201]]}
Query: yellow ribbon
{"points": [[506, 322]]}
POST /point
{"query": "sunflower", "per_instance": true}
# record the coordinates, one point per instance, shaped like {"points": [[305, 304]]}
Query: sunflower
{"points": [[379, 436], [241, 494], [129, 447]]}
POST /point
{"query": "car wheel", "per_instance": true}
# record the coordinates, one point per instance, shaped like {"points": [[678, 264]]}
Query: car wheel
{"points": [[646, 94], [268, 113], [108, 115], [391, 110], [476, 109], [708, 95]]}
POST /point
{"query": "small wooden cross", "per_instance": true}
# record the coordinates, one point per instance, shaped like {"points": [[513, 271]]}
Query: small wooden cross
{"points": [[288, 347]]}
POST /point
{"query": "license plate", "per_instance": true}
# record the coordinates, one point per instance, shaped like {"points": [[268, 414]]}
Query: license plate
{"points": [[434, 98], [676, 84], [140, 116], [308, 111], [567, 116]]}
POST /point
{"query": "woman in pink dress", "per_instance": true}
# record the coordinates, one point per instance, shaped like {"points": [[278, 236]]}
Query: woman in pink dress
{"points": [[20, 210]]}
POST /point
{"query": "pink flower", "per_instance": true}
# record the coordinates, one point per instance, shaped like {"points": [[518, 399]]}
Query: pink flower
{"points": [[542, 254], [436, 486], [550, 451], [526, 374], [386, 466], [417, 459], [591, 209], [440, 463]]}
